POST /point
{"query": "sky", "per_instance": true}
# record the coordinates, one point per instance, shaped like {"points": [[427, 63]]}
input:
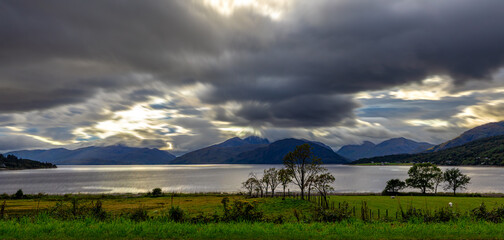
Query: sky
{"points": [[183, 74]]}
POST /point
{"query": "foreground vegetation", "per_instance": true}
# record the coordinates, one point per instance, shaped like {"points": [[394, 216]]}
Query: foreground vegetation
{"points": [[47, 228], [214, 216]]}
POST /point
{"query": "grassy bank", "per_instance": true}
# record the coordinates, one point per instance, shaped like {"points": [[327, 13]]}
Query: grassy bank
{"points": [[124, 229], [194, 204]]}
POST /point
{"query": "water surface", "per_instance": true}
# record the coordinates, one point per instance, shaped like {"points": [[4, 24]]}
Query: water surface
{"points": [[209, 178]]}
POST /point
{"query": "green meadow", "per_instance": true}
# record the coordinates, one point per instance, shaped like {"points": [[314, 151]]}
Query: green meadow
{"points": [[64, 217]]}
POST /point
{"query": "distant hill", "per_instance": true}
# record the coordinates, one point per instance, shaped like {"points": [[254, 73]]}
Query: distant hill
{"points": [[110, 155], [483, 131], [388, 147], [485, 151], [11, 162], [221, 152], [274, 153]]}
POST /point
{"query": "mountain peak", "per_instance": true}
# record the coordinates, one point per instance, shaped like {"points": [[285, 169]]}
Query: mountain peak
{"points": [[256, 140], [479, 132], [368, 149]]}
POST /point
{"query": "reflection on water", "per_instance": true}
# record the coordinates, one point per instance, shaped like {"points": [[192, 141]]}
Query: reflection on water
{"points": [[208, 178]]}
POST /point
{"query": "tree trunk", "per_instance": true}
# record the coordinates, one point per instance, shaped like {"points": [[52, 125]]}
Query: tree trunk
{"points": [[284, 191]]}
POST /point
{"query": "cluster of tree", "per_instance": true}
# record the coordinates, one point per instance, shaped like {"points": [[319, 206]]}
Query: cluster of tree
{"points": [[427, 176], [13, 162], [301, 168]]}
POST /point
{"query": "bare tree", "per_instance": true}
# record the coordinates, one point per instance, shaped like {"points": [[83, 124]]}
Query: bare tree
{"points": [[271, 176], [323, 183], [259, 183], [302, 165], [284, 176], [249, 185], [438, 179]]}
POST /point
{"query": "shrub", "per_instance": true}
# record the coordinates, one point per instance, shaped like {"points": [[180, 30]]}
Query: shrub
{"points": [[342, 212], [241, 211], [496, 215], [176, 214], [139, 214], [97, 211]]}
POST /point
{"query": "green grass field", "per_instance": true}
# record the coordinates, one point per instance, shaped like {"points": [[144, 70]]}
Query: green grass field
{"points": [[194, 204], [125, 229], [31, 219]]}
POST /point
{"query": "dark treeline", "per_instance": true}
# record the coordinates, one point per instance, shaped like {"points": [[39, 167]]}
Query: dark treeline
{"points": [[12, 162]]}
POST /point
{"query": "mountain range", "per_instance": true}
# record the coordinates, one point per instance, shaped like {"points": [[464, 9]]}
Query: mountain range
{"points": [[483, 151], [483, 131], [256, 150], [220, 153], [98, 156], [388, 147]]}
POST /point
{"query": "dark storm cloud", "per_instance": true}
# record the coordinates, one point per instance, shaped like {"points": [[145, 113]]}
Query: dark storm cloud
{"points": [[62, 52], [414, 109], [310, 111], [15, 142]]}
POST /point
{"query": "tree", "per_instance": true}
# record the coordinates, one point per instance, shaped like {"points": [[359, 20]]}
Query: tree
{"points": [[271, 176], [302, 165], [456, 179], [394, 186], [19, 194], [284, 176], [259, 183], [157, 192], [422, 175], [323, 183], [250, 185], [438, 179]]}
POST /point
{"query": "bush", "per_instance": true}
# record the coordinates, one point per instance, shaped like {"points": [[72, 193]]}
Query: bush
{"points": [[495, 215], [97, 211], [241, 211], [139, 214], [176, 214], [342, 212], [204, 218]]}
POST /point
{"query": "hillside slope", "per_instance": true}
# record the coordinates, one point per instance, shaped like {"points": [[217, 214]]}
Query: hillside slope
{"points": [[486, 151], [275, 152], [388, 147], [110, 155], [483, 131], [221, 152]]}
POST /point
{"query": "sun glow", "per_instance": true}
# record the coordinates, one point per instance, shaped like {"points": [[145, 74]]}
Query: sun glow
{"points": [[273, 9], [139, 117]]}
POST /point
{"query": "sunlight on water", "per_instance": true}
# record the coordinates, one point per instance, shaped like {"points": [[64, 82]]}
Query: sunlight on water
{"points": [[208, 178]]}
